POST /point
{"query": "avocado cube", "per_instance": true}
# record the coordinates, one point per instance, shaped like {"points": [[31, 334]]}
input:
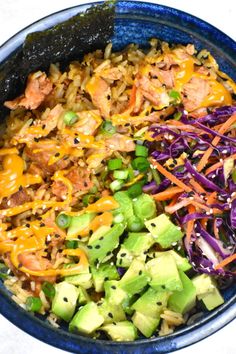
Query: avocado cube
{"points": [[204, 285], [164, 231], [135, 278], [147, 325], [113, 292], [78, 224], [84, 278], [212, 299], [151, 303], [102, 248], [86, 320], [64, 301], [164, 273], [111, 313], [84, 297], [100, 232], [182, 263], [134, 246], [104, 271], [184, 300], [123, 331]]}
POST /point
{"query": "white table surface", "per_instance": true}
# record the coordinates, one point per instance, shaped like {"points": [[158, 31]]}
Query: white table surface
{"points": [[16, 14]]}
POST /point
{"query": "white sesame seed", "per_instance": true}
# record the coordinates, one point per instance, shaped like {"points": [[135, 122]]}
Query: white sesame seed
{"points": [[224, 151]]}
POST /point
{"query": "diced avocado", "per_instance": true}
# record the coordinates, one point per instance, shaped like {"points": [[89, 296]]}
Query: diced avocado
{"points": [[151, 303], [125, 257], [100, 232], [126, 205], [102, 273], [64, 301], [111, 313], [184, 300], [144, 207], [164, 231], [204, 284], [101, 249], [86, 320], [128, 302], [123, 331], [113, 292], [164, 273], [207, 291], [147, 325], [135, 278], [84, 297], [79, 223], [135, 246], [181, 262], [212, 300], [84, 278]]}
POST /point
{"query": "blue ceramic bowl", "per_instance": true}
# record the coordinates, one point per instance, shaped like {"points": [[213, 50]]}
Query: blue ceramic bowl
{"points": [[134, 22]]}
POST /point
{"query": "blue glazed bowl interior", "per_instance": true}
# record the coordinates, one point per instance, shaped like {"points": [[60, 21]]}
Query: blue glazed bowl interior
{"points": [[135, 22]]}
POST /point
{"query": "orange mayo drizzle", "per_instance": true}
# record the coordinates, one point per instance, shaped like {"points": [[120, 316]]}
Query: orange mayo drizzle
{"points": [[100, 206], [12, 177], [40, 203], [100, 220]]}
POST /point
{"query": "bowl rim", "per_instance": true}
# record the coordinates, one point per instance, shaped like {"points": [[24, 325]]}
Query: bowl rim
{"points": [[68, 341]]}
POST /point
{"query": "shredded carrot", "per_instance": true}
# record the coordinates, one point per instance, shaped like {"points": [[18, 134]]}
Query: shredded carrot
{"points": [[167, 194], [202, 163], [226, 261], [174, 201], [170, 176], [218, 164], [190, 224], [198, 188], [212, 198], [203, 222]]}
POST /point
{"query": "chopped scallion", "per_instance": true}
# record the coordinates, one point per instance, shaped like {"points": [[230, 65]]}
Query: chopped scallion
{"points": [[116, 185], [63, 221], [135, 190], [33, 304], [107, 128], [48, 289], [141, 164], [70, 118], [114, 164], [141, 150], [121, 174]]}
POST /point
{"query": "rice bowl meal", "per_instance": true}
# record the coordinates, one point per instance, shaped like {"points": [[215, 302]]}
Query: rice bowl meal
{"points": [[118, 191]]}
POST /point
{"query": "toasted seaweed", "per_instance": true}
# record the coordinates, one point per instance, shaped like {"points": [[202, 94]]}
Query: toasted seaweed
{"points": [[62, 43]]}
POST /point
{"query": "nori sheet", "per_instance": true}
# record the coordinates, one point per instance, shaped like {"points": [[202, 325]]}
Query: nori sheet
{"points": [[62, 43]]}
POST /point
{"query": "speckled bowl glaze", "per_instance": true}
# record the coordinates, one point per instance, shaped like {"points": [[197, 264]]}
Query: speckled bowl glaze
{"points": [[134, 22]]}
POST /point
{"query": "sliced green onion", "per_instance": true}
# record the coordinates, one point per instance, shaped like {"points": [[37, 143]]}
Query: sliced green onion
{"points": [[135, 224], [107, 128], [121, 174], [88, 199], [234, 175], [33, 304], [71, 244], [175, 96], [114, 164], [141, 150], [156, 176], [116, 185], [131, 173], [118, 218], [48, 289], [70, 118], [177, 115], [63, 221], [135, 190], [141, 164]]}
